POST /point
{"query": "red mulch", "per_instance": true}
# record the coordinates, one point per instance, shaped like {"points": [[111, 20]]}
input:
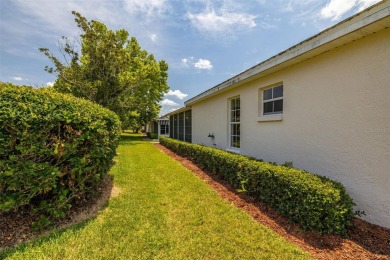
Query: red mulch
{"points": [[366, 241]]}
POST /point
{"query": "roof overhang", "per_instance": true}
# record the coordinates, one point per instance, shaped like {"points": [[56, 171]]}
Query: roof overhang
{"points": [[163, 118], [179, 110], [367, 22]]}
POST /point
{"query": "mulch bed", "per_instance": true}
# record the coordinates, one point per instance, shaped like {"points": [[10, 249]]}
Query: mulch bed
{"points": [[16, 227], [366, 241]]}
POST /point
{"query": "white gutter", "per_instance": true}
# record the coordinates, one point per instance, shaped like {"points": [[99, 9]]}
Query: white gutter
{"points": [[337, 35], [179, 110]]}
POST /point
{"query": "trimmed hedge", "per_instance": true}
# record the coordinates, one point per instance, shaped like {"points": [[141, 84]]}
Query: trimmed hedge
{"points": [[151, 135], [54, 148], [315, 202]]}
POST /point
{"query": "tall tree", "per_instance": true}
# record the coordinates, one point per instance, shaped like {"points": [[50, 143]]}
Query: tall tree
{"points": [[112, 70]]}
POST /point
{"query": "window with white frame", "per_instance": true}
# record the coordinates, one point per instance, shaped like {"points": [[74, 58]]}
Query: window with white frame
{"points": [[272, 100], [164, 129], [235, 123]]}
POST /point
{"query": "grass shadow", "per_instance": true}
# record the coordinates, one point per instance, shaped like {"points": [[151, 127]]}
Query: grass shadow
{"points": [[80, 215], [54, 234], [131, 139]]}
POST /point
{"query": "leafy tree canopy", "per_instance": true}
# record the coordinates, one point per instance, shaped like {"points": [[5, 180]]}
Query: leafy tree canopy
{"points": [[112, 70]]}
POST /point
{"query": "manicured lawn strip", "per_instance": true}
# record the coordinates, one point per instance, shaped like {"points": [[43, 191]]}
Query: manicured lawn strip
{"points": [[162, 212]]}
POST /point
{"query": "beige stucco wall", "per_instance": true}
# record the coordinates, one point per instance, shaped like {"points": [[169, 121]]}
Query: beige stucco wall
{"points": [[336, 120]]}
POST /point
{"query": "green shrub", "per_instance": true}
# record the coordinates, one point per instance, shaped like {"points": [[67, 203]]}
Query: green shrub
{"points": [[315, 202], [54, 148], [151, 135]]}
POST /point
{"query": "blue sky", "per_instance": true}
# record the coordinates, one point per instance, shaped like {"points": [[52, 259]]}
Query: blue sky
{"points": [[204, 42]]}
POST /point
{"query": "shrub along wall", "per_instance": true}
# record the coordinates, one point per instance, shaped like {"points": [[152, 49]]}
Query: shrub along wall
{"points": [[315, 202], [54, 148], [151, 135]]}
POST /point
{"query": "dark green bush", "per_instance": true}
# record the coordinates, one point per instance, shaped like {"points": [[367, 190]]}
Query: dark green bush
{"points": [[54, 148], [315, 202], [151, 135]]}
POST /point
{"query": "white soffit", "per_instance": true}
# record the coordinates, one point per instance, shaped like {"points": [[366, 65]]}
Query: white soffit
{"points": [[179, 110], [369, 21]]}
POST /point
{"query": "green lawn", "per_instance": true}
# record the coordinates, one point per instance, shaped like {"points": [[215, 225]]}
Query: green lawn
{"points": [[162, 212]]}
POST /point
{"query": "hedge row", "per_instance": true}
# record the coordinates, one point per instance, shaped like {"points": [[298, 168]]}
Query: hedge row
{"points": [[315, 202], [54, 148], [151, 135]]}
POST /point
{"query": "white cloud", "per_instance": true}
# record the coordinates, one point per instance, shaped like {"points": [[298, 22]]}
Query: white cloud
{"points": [[335, 9], [177, 93], [203, 64], [366, 3], [43, 16], [211, 21], [17, 78], [49, 13], [153, 37], [165, 111], [170, 103], [186, 62], [146, 7], [49, 84], [298, 5]]}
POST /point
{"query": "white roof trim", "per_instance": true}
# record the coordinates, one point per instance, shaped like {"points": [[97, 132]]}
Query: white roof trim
{"points": [[346, 31], [179, 110], [163, 118]]}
